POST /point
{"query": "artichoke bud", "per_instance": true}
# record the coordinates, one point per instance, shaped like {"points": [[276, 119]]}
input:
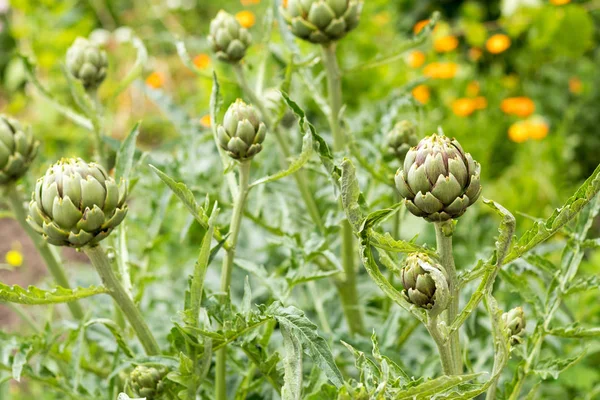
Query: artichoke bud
{"points": [[400, 139], [228, 39], [76, 204], [321, 21], [87, 63], [147, 382], [515, 324], [242, 132], [438, 180], [18, 148], [425, 285]]}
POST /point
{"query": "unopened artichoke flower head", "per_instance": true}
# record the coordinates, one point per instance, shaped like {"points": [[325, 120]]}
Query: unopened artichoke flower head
{"points": [[400, 139], [147, 382], [18, 148], [321, 21], [87, 63], [438, 180], [229, 40], [242, 132], [420, 287], [76, 204]]}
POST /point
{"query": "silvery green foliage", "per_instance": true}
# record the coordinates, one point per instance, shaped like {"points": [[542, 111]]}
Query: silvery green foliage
{"points": [[87, 63], [228, 39], [18, 148], [242, 132]]}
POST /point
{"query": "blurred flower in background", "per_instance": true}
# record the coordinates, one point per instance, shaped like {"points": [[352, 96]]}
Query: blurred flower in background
{"points": [[415, 59], [155, 80], [445, 44], [421, 93], [202, 61], [497, 43], [441, 70], [246, 18], [519, 106]]}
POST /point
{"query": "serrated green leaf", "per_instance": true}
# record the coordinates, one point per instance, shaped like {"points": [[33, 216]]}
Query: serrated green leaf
{"points": [[292, 363], [574, 331], [19, 360], [116, 332], [124, 161], [428, 389], [35, 296], [551, 368]]}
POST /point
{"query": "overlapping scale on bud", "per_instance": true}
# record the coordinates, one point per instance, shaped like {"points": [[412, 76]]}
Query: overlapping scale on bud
{"points": [[400, 139], [147, 382], [424, 283], [515, 323], [321, 21], [87, 63], [76, 204], [242, 132], [229, 40], [18, 148], [438, 180]]}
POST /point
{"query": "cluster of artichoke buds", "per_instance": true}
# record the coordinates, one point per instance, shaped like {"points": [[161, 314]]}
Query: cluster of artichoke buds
{"points": [[425, 284], [438, 180], [321, 21], [147, 382], [400, 139], [18, 148], [87, 63], [76, 204], [515, 323], [228, 39], [242, 132]]}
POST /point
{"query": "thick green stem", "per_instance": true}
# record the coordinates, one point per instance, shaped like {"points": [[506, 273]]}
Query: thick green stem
{"points": [[46, 252], [449, 367], [102, 264], [234, 230], [99, 149], [334, 93], [444, 250]]}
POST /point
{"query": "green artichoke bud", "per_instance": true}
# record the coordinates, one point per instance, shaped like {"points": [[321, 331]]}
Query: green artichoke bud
{"points": [[228, 39], [242, 132], [439, 180], [515, 323], [400, 139], [76, 204], [147, 382], [424, 283], [18, 148], [276, 106], [87, 63], [321, 21]]}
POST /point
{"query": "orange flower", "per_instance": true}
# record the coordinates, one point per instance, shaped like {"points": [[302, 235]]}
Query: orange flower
{"points": [[519, 106], [473, 89], [246, 18], [420, 25], [518, 132], [575, 85], [475, 54], [155, 80], [560, 2], [416, 59], [444, 70], [421, 94], [249, 2], [202, 61], [534, 128], [497, 43], [480, 103], [205, 121], [284, 3], [445, 44], [538, 128], [463, 107]]}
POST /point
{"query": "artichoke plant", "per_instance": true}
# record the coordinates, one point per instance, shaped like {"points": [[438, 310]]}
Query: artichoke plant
{"points": [[275, 105], [18, 148], [400, 139], [242, 132], [228, 39], [87, 63], [438, 180], [515, 322], [76, 204], [421, 287], [321, 21], [146, 382]]}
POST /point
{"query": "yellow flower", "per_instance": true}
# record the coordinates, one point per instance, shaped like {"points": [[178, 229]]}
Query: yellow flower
{"points": [[538, 128], [480, 102], [246, 18], [534, 128], [443, 70], [463, 107], [202, 61], [249, 2], [421, 94], [416, 59], [475, 54], [14, 258], [560, 2], [445, 44], [155, 80], [575, 85], [518, 132], [497, 43], [205, 121], [420, 25], [519, 106], [473, 89]]}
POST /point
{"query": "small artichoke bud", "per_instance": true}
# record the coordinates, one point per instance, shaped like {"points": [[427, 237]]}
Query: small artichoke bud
{"points": [[87, 63], [424, 283], [275, 104], [18, 148], [147, 382], [228, 39], [400, 139], [515, 323], [76, 204], [242, 132], [438, 180], [321, 21]]}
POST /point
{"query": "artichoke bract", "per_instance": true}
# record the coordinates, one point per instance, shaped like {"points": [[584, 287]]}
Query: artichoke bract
{"points": [[321, 21], [229, 40], [146, 382], [515, 322], [87, 63], [76, 204], [420, 286], [438, 180], [18, 148], [400, 139], [242, 132]]}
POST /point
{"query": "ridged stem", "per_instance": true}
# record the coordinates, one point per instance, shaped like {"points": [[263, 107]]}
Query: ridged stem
{"points": [[449, 367]]}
